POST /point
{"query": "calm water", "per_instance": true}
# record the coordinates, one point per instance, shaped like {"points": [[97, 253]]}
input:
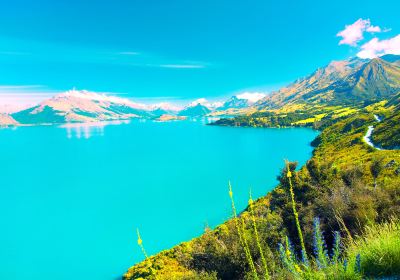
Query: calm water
{"points": [[71, 198]]}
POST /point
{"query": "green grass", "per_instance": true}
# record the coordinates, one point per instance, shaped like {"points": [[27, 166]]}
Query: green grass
{"points": [[379, 248]]}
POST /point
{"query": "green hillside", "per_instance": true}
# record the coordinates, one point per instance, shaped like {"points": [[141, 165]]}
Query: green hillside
{"points": [[337, 217], [340, 184], [387, 132]]}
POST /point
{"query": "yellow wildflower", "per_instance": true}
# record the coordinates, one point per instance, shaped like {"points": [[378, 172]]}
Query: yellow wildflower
{"points": [[250, 199], [139, 241], [289, 174], [288, 253], [242, 238], [230, 190], [297, 267]]}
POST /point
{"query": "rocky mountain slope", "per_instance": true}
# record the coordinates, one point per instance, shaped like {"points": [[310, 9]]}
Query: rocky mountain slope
{"points": [[354, 81]]}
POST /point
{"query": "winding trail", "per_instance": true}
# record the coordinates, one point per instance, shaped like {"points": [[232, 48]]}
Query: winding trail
{"points": [[367, 136]]}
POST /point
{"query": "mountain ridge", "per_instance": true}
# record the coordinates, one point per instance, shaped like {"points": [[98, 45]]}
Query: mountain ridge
{"points": [[339, 83]]}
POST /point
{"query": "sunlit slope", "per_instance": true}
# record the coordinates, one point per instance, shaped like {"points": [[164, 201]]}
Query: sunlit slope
{"points": [[349, 82]]}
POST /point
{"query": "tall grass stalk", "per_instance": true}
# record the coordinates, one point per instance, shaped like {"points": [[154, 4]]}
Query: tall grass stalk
{"points": [[296, 215], [253, 218], [337, 243], [242, 239], [342, 224], [140, 243]]}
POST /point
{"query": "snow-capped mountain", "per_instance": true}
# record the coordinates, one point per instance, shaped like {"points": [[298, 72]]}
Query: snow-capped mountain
{"points": [[199, 108], [86, 106], [81, 106], [164, 108], [242, 100], [206, 103], [194, 111]]}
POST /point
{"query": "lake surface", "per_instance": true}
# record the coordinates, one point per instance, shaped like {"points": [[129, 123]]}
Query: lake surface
{"points": [[71, 197]]}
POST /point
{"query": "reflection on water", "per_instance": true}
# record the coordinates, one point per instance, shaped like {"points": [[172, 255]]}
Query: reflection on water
{"points": [[90, 129], [87, 130], [204, 120]]}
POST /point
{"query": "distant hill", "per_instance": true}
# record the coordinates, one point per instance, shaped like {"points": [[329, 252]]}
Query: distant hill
{"points": [[392, 58]]}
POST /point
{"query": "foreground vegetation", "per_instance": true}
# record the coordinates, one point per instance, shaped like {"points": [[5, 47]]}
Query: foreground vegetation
{"points": [[334, 218]]}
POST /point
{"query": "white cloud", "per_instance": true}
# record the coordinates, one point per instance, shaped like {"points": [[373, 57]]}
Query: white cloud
{"points": [[376, 47], [374, 29], [14, 98], [201, 101], [251, 96], [128, 53], [215, 104], [206, 103], [19, 87], [354, 33], [101, 96], [166, 106], [182, 66]]}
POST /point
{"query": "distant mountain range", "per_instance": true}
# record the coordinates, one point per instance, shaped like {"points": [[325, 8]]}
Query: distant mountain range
{"points": [[84, 106], [349, 82]]}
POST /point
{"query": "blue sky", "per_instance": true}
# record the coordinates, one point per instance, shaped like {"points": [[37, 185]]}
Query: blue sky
{"points": [[177, 49]]}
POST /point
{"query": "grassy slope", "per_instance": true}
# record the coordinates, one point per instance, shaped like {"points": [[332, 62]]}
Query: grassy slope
{"points": [[387, 132], [299, 114], [336, 185]]}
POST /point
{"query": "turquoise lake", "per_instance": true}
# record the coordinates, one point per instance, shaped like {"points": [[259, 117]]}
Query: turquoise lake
{"points": [[71, 197]]}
